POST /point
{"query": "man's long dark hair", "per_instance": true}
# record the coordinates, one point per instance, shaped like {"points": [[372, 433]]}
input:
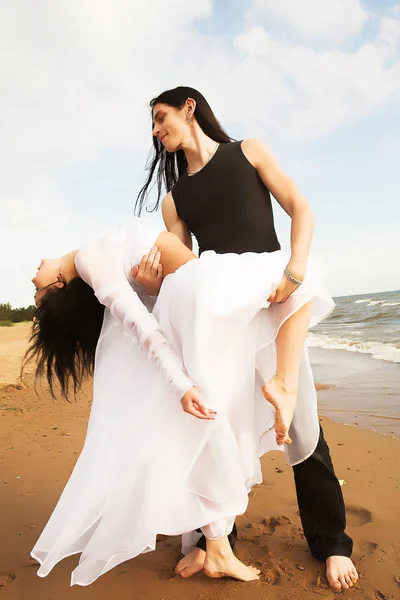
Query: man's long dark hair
{"points": [[171, 165], [65, 332]]}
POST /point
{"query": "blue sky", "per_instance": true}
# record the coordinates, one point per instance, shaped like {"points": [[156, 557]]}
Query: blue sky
{"points": [[317, 81]]}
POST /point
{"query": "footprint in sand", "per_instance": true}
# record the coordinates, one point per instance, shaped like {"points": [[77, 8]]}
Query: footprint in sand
{"points": [[164, 572], [367, 549], [357, 516], [273, 522], [272, 576], [6, 579]]}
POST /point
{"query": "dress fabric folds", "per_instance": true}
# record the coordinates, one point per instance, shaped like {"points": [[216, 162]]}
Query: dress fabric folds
{"points": [[147, 467]]}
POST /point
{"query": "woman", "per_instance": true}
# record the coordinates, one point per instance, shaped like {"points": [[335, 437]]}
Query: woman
{"points": [[147, 467]]}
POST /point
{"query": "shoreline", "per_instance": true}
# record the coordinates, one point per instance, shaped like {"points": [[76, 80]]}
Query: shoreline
{"points": [[358, 390]]}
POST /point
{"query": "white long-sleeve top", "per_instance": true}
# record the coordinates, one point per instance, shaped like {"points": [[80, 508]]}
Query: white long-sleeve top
{"points": [[105, 263]]}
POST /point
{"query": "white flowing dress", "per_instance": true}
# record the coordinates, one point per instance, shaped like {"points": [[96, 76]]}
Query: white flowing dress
{"points": [[147, 467]]}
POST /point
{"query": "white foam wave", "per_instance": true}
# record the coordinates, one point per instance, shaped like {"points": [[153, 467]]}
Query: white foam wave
{"points": [[375, 302], [379, 351]]}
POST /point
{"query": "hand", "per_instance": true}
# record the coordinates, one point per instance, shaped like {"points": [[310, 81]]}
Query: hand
{"points": [[149, 272], [192, 405], [285, 288]]}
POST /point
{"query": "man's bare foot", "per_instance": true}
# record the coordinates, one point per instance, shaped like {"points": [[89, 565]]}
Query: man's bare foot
{"points": [[221, 566], [284, 402], [191, 563], [341, 573]]}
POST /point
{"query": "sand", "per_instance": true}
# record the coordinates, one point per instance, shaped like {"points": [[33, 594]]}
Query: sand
{"points": [[40, 443], [359, 390], [13, 342]]}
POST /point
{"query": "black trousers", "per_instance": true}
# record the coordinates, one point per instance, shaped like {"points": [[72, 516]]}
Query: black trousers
{"points": [[321, 506]]}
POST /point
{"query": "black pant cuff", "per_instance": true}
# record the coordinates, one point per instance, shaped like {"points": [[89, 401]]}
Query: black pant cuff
{"points": [[323, 549]]}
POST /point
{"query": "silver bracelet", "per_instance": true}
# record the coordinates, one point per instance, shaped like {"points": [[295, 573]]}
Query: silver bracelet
{"points": [[291, 278]]}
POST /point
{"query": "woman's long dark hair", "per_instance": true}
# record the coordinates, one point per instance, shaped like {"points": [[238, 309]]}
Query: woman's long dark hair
{"points": [[171, 165], [64, 336]]}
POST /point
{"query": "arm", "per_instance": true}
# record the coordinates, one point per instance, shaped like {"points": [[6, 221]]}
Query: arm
{"points": [[288, 196], [172, 221], [100, 264], [149, 272]]}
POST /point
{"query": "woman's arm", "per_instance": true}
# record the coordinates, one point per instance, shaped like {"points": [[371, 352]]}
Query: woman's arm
{"points": [[99, 263], [149, 273], [291, 200]]}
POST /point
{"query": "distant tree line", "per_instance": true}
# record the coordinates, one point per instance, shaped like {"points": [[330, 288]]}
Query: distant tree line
{"points": [[15, 315]]}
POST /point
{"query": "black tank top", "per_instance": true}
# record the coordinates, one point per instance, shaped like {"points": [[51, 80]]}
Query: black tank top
{"points": [[226, 205]]}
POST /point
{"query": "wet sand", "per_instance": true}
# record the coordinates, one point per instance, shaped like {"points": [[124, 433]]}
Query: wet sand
{"points": [[361, 390], [40, 440]]}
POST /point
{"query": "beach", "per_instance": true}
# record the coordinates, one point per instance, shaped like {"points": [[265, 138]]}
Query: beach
{"points": [[40, 440], [361, 391]]}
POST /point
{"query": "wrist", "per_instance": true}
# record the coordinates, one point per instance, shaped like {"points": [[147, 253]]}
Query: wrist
{"points": [[290, 277], [297, 268]]}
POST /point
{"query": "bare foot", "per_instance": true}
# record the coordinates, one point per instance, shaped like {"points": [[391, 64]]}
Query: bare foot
{"points": [[191, 563], [220, 566], [284, 402], [341, 573]]}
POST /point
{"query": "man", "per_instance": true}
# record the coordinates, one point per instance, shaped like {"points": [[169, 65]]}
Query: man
{"points": [[227, 206]]}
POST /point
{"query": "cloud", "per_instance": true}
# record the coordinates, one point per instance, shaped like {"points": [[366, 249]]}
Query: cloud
{"points": [[330, 20], [389, 34], [76, 78], [395, 10], [311, 92]]}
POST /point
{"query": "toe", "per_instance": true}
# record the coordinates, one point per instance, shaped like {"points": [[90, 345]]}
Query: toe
{"points": [[343, 582], [255, 572], [349, 580], [335, 585]]}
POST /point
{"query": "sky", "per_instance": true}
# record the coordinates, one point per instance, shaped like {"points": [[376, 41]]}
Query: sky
{"points": [[318, 82]]}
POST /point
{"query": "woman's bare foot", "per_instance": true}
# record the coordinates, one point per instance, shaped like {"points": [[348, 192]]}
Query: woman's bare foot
{"points": [[191, 563], [341, 573], [284, 402], [229, 566]]}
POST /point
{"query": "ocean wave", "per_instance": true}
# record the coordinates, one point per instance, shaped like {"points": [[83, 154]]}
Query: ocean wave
{"points": [[379, 315], [379, 351], [376, 302]]}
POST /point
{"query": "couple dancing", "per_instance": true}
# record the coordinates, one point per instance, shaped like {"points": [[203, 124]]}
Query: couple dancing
{"points": [[225, 336]]}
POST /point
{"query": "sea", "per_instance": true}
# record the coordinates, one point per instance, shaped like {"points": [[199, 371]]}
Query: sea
{"points": [[355, 354], [367, 324]]}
